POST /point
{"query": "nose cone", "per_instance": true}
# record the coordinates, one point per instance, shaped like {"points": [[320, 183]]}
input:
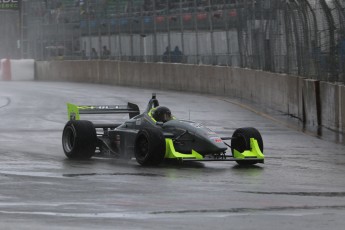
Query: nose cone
{"points": [[210, 144], [201, 139]]}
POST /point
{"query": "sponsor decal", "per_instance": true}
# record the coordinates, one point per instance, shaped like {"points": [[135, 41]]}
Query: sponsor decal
{"points": [[197, 125], [95, 107], [10, 4], [216, 139], [104, 107], [138, 122]]}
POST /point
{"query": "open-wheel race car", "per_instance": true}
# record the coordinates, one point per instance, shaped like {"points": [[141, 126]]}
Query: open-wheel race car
{"points": [[153, 136]]}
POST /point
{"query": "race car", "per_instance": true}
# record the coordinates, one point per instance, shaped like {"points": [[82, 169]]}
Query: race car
{"points": [[153, 136]]}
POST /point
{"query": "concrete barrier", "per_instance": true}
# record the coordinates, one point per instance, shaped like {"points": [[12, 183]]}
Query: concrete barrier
{"points": [[315, 103], [190, 78], [311, 107], [17, 70], [276, 91], [23, 70], [330, 104], [342, 108], [108, 72]]}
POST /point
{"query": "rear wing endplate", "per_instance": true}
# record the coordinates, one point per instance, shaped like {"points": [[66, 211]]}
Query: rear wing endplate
{"points": [[74, 111]]}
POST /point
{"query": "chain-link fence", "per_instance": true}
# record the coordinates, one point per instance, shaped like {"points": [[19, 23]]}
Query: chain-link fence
{"points": [[303, 37], [9, 34]]}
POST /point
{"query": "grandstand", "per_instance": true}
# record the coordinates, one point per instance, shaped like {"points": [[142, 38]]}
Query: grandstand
{"points": [[303, 37]]}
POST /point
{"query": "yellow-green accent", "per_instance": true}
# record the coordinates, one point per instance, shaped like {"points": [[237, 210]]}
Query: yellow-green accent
{"points": [[254, 153], [150, 114], [171, 153], [73, 112]]}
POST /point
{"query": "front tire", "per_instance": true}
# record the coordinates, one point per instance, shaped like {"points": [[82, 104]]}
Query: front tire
{"points": [[241, 142], [149, 147], [79, 139]]}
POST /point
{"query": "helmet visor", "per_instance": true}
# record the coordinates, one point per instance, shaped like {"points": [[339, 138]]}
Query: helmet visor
{"points": [[167, 116]]}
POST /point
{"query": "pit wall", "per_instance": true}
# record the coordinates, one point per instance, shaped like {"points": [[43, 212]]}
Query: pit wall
{"points": [[313, 102]]}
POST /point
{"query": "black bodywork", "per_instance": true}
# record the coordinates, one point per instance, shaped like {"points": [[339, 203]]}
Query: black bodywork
{"points": [[141, 136]]}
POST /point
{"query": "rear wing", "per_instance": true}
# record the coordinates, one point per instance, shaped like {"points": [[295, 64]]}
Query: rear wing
{"points": [[74, 111]]}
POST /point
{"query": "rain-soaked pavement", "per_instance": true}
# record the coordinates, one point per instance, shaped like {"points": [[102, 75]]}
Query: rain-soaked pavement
{"points": [[300, 186]]}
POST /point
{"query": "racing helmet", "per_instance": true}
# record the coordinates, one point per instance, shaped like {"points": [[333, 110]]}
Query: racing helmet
{"points": [[162, 114]]}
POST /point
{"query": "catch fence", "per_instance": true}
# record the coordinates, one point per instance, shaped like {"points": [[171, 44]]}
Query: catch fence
{"points": [[302, 37]]}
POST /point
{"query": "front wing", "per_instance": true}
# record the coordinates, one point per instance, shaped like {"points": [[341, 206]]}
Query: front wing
{"points": [[249, 155]]}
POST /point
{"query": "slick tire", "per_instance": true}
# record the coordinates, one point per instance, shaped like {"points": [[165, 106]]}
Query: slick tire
{"points": [[241, 142], [79, 139], [149, 147]]}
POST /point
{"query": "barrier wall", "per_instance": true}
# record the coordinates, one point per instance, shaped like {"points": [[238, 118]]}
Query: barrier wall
{"points": [[333, 105], [17, 70], [313, 102], [310, 102], [342, 108]]}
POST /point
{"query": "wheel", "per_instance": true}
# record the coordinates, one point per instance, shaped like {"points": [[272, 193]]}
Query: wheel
{"points": [[149, 147], [241, 142], [256, 135], [79, 139]]}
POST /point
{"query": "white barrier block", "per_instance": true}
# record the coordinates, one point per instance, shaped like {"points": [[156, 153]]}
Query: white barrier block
{"points": [[23, 70], [5, 70]]}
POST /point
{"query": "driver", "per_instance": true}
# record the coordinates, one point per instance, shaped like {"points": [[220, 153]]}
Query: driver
{"points": [[162, 114]]}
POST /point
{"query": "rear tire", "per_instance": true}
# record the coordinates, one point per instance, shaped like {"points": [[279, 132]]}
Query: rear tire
{"points": [[149, 147], [241, 142], [79, 139]]}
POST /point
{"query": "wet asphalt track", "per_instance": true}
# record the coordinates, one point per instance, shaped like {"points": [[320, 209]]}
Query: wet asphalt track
{"points": [[301, 185]]}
